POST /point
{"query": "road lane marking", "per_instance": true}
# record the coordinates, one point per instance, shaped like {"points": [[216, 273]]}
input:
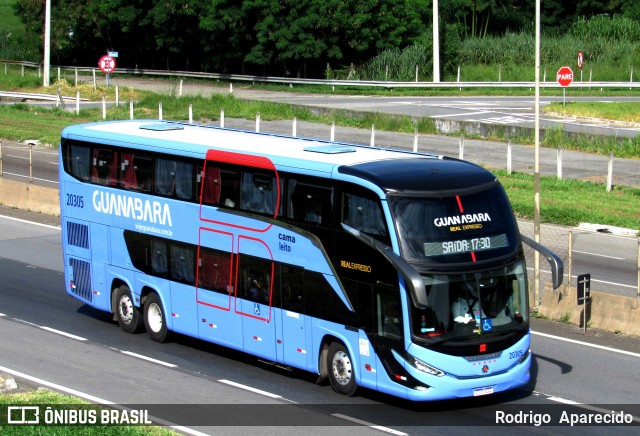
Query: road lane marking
{"points": [[368, 424], [59, 332], [94, 399], [249, 388], [148, 359], [479, 112], [562, 400], [30, 222], [599, 255], [34, 178], [52, 330], [586, 344], [593, 280]]}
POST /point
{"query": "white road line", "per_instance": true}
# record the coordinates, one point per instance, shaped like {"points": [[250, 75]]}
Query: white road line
{"points": [[52, 330], [612, 283], [93, 399], [368, 424], [148, 359], [592, 279], [29, 222], [480, 112], [59, 332], [586, 344], [599, 255], [562, 400], [56, 387], [34, 178], [249, 388]]}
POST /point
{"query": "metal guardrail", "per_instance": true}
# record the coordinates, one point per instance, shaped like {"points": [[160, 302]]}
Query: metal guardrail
{"points": [[324, 82], [35, 96]]}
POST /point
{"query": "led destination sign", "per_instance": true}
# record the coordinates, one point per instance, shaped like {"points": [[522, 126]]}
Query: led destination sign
{"points": [[465, 245]]}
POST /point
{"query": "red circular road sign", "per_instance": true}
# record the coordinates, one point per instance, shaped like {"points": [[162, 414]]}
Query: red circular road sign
{"points": [[580, 59], [565, 76], [107, 64]]}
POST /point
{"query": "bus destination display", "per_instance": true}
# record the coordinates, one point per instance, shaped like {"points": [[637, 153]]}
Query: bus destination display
{"points": [[465, 245]]}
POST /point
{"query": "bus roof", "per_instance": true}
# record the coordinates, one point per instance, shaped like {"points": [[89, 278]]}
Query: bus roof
{"points": [[389, 169]]}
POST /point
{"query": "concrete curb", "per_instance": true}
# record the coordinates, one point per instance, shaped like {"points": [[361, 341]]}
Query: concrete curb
{"points": [[609, 312], [29, 197]]}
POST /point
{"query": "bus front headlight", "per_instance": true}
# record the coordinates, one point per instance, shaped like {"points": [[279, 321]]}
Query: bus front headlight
{"points": [[421, 366]]}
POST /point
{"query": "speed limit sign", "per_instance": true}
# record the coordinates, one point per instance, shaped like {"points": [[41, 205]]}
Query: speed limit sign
{"points": [[107, 64]]}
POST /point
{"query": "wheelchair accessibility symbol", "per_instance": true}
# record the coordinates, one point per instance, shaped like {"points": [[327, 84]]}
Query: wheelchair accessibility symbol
{"points": [[487, 325], [256, 309]]}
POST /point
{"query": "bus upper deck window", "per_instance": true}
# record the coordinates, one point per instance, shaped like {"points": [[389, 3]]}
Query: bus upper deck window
{"points": [[104, 167], [79, 161], [310, 203]]}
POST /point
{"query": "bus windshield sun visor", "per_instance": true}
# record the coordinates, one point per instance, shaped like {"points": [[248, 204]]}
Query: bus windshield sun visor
{"points": [[412, 278]]}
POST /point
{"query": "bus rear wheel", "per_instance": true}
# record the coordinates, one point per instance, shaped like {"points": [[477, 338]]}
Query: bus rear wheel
{"points": [[154, 319], [127, 313], [340, 366]]}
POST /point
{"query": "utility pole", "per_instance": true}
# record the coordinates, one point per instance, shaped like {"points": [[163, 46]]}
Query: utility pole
{"points": [[536, 166], [47, 42], [436, 44]]}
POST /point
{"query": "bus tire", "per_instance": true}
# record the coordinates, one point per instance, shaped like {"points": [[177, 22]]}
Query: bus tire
{"points": [[154, 318], [341, 371], [127, 313]]}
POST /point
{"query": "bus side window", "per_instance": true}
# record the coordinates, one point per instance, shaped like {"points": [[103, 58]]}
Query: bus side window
{"points": [[135, 171], [159, 257], [255, 278], [212, 183], [214, 271], [79, 161], [174, 178], [309, 203], [389, 313], [292, 288], [363, 212], [229, 187], [259, 192], [104, 167], [183, 263]]}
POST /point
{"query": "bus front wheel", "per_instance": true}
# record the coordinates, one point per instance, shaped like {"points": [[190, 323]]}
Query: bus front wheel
{"points": [[127, 313], [340, 366], [154, 319]]}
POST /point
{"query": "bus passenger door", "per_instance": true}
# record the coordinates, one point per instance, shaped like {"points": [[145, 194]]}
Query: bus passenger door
{"points": [[217, 319], [254, 296]]}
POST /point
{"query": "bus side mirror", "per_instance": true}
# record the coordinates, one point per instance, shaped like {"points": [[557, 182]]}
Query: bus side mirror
{"points": [[557, 268]]}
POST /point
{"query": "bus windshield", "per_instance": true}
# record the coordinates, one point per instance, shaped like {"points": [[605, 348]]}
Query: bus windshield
{"points": [[472, 304], [453, 229]]}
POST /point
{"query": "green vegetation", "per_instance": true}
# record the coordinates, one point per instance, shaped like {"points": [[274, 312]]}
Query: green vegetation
{"points": [[565, 202], [568, 202], [47, 397], [565, 318], [617, 111]]}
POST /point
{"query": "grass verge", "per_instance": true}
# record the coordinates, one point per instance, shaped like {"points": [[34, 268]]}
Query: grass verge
{"points": [[569, 202], [44, 397]]}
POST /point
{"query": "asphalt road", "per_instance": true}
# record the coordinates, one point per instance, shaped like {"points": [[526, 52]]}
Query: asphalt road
{"points": [[46, 334]]}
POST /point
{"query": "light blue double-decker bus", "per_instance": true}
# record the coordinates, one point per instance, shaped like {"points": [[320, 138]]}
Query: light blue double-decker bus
{"points": [[394, 271]]}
